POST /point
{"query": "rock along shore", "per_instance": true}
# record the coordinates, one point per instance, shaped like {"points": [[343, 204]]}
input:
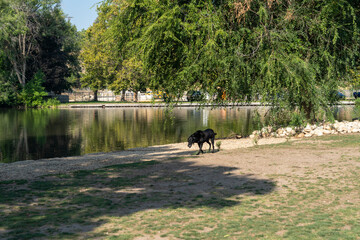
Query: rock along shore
{"points": [[309, 130]]}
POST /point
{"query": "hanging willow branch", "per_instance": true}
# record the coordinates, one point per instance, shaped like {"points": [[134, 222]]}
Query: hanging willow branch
{"points": [[241, 8]]}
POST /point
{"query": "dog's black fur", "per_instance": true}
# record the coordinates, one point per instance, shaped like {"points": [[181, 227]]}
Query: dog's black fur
{"points": [[200, 137]]}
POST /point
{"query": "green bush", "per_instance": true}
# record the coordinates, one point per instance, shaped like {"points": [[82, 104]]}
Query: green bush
{"points": [[8, 96], [52, 102], [33, 93], [279, 117], [356, 113], [298, 119], [357, 103]]}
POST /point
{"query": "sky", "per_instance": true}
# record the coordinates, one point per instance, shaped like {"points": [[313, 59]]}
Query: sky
{"points": [[82, 13]]}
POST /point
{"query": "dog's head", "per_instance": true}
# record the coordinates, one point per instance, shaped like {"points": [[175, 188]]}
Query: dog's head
{"points": [[191, 141], [195, 138]]}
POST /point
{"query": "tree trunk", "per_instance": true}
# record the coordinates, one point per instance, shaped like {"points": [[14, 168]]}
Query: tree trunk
{"points": [[122, 96], [308, 109], [96, 95], [19, 73], [135, 96]]}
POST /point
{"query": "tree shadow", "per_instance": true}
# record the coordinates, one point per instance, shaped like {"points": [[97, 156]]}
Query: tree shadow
{"points": [[52, 205]]}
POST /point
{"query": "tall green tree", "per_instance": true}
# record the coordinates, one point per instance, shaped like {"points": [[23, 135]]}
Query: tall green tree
{"points": [[290, 53], [293, 54], [8, 89], [59, 48], [96, 57], [18, 32], [131, 77], [304, 51], [35, 36]]}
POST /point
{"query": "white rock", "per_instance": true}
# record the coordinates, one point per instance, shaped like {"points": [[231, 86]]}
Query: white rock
{"points": [[308, 127], [280, 131], [310, 130], [300, 135], [327, 127], [318, 133]]}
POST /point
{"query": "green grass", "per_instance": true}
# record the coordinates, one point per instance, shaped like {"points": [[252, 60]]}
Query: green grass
{"points": [[148, 199]]}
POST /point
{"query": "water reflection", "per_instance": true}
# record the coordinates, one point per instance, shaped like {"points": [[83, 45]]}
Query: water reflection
{"points": [[36, 134], [33, 134]]}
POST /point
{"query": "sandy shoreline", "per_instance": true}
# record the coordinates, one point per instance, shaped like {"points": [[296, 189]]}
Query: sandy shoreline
{"points": [[30, 169]]}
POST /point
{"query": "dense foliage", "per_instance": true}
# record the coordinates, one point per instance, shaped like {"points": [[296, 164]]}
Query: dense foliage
{"points": [[294, 54], [35, 36]]}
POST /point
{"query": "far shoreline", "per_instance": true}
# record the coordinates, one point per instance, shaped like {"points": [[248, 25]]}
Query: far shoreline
{"points": [[163, 104]]}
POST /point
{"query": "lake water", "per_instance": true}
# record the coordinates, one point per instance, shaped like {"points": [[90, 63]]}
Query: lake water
{"points": [[37, 134]]}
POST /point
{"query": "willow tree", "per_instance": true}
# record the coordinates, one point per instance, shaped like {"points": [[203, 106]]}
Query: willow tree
{"points": [[96, 55], [162, 37], [355, 79], [185, 48], [293, 54], [301, 50], [130, 19], [130, 76]]}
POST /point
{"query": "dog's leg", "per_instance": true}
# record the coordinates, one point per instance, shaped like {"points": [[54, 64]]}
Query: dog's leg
{"points": [[212, 141], [209, 145], [200, 148]]}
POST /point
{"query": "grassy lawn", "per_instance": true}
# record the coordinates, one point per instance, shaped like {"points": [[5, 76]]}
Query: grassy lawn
{"points": [[178, 199]]}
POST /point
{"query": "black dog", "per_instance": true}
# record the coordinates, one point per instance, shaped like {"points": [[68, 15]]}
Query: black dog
{"points": [[200, 137]]}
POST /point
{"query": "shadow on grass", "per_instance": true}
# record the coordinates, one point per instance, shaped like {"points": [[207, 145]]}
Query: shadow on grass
{"points": [[76, 203]]}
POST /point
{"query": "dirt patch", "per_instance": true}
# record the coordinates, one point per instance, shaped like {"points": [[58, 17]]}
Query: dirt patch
{"points": [[34, 168]]}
